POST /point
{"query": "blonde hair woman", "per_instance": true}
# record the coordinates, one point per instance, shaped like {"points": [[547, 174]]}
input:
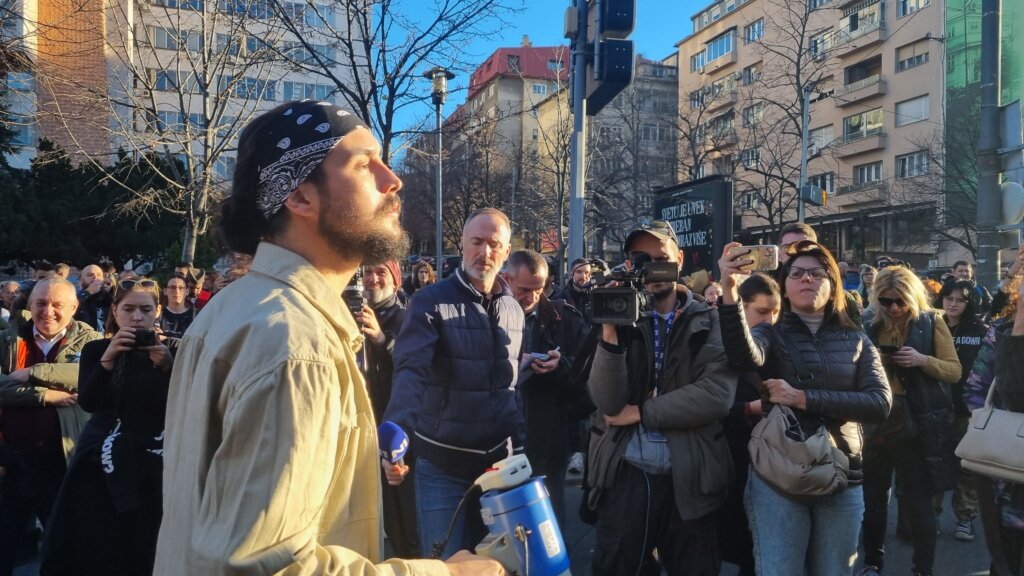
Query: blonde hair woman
{"points": [[918, 438]]}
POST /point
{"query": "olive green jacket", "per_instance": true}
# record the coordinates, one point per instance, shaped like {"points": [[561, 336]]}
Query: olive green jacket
{"points": [[59, 375]]}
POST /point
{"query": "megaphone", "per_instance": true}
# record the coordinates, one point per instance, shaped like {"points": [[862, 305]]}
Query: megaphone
{"points": [[523, 534]]}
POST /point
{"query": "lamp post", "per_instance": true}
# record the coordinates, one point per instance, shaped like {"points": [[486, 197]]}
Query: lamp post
{"points": [[439, 78]]}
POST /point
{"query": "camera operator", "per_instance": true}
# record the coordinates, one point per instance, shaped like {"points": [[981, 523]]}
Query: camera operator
{"points": [[577, 289], [663, 388]]}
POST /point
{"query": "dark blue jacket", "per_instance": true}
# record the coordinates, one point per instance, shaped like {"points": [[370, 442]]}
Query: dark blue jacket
{"points": [[456, 365]]}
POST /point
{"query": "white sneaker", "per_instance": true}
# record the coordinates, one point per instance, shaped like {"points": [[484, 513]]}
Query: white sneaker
{"points": [[576, 463]]}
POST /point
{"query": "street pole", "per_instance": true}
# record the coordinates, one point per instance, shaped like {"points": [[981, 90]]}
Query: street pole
{"points": [[439, 78], [806, 119], [989, 195], [439, 239], [577, 175]]}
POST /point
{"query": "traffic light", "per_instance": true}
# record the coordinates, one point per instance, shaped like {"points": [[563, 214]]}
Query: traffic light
{"points": [[609, 24]]}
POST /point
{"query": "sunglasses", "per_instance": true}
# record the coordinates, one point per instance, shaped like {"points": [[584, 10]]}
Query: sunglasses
{"points": [[888, 302], [796, 273], [131, 284]]}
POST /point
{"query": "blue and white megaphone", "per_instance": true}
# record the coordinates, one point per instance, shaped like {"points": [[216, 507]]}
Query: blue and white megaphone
{"points": [[393, 442], [524, 535]]}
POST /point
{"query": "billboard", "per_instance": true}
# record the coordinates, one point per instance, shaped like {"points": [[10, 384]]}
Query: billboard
{"points": [[700, 212]]}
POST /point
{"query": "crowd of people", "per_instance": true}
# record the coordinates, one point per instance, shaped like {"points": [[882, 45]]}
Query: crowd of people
{"points": [[193, 422]]}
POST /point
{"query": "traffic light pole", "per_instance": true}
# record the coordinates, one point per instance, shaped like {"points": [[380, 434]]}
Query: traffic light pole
{"points": [[806, 119], [577, 175], [989, 196]]}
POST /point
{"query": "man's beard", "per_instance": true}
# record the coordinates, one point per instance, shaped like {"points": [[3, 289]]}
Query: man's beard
{"points": [[376, 296], [487, 277], [665, 292], [352, 236]]}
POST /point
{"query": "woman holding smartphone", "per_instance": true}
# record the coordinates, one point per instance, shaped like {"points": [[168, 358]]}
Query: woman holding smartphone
{"points": [[797, 534], [108, 512], [918, 439]]}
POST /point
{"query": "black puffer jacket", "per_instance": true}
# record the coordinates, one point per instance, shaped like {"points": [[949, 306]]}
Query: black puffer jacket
{"points": [[849, 385]]}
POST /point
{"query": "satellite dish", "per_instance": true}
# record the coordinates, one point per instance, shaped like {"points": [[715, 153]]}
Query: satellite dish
{"points": [[1013, 202]]}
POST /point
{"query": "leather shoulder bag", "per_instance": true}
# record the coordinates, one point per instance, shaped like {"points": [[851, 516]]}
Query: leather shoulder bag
{"points": [[994, 442]]}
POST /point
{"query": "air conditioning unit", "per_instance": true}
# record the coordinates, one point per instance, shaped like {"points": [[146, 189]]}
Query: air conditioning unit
{"points": [[700, 70], [819, 56], [813, 150], [737, 76]]}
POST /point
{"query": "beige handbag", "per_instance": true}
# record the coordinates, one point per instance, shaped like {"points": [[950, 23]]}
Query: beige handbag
{"points": [[994, 442], [793, 463]]}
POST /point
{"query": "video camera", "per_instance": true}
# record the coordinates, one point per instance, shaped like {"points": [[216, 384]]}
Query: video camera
{"points": [[624, 304], [353, 294]]}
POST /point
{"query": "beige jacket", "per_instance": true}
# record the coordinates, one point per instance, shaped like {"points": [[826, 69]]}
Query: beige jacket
{"points": [[270, 462]]}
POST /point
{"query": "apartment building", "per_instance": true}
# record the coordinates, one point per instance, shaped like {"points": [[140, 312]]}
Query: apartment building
{"points": [[876, 73], [183, 76]]}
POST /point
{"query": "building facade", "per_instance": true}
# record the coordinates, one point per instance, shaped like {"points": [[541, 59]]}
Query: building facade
{"points": [[876, 77], [165, 76]]}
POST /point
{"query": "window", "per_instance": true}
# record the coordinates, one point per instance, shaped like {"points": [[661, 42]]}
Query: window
{"points": [[751, 157], [820, 137], [753, 114], [812, 4], [196, 5], [554, 65], [721, 126], [826, 182], [753, 32], [904, 7], [303, 13], [539, 88], [298, 52], [751, 74], [910, 111], [650, 132], [513, 63], [697, 98], [609, 133], [819, 44], [224, 167], [250, 8], [911, 55], [23, 135], [303, 90], [862, 125], [698, 172], [536, 134], [256, 88], [867, 173], [910, 165], [171, 39], [861, 18], [751, 200], [720, 46]]}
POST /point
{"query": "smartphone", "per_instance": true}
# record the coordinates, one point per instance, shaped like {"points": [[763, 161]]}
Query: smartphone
{"points": [[888, 349], [539, 356], [765, 257], [145, 338]]}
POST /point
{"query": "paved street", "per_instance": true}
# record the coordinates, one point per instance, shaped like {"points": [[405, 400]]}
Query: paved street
{"points": [[953, 558]]}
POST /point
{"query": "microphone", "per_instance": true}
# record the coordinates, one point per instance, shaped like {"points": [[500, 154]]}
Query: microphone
{"points": [[393, 442]]}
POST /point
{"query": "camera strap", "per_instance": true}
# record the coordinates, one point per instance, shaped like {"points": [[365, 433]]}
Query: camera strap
{"points": [[660, 345]]}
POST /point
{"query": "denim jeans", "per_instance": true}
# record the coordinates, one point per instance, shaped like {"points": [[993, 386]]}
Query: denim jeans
{"points": [[437, 497], [814, 536]]}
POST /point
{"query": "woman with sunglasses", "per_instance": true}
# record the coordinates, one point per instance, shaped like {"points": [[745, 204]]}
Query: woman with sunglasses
{"points": [[917, 440], [813, 535], [108, 512]]}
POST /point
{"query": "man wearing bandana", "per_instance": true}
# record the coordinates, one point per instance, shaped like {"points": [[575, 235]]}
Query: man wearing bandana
{"points": [[271, 462]]}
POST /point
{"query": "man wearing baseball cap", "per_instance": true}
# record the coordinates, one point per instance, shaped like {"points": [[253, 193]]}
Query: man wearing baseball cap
{"points": [[271, 461], [661, 470]]}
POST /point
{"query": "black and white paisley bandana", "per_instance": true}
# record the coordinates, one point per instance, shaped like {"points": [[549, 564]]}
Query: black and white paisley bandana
{"points": [[299, 139]]}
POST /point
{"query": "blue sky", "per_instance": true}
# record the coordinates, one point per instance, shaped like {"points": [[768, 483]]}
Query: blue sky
{"points": [[659, 25]]}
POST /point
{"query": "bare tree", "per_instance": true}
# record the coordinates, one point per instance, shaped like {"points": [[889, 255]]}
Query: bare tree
{"points": [[383, 50], [942, 176]]}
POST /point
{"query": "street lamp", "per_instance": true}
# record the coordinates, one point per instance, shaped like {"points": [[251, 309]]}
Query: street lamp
{"points": [[439, 78]]}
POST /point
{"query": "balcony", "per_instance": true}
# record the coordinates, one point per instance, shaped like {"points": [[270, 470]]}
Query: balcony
{"points": [[848, 42], [720, 141], [859, 143], [721, 62], [861, 90], [722, 99], [851, 197]]}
